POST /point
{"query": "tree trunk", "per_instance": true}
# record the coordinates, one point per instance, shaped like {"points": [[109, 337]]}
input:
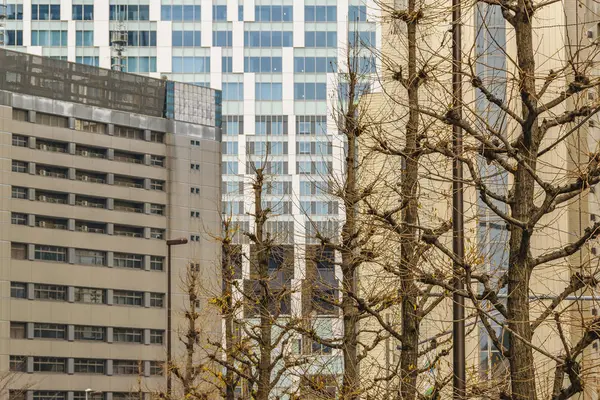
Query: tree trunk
{"points": [[351, 381], [409, 355], [522, 368]]}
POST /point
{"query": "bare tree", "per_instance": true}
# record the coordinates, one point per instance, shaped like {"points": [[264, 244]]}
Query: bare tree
{"points": [[530, 162]]}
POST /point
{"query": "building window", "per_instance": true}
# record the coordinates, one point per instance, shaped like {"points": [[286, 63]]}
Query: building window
{"points": [[156, 368], [48, 395], [320, 39], [226, 64], [157, 137], [157, 185], [88, 60], [14, 38], [18, 251], [310, 91], [157, 300], [263, 64], [18, 219], [127, 367], [50, 253], [268, 91], [19, 166], [128, 335], [128, 132], [180, 13], [268, 38], [18, 364], [49, 292], [320, 13], [126, 260], [84, 38], [129, 12], [157, 209], [49, 331], [90, 295], [19, 192], [315, 64], [95, 333], [186, 39], [53, 38], [18, 290], [360, 38], [49, 364], [157, 263], [273, 13], [20, 115], [156, 336], [128, 298], [14, 12], [190, 64], [44, 12], [90, 257], [90, 126], [222, 38], [233, 91], [157, 161], [17, 330], [88, 366], [156, 233], [83, 12], [137, 64], [19, 140]]}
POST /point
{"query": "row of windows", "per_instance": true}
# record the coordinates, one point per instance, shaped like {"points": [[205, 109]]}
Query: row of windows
{"points": [[190, 64], [268, 39], [45, 12], [276, 125], [87, 176], [42, 291], [310, 91], [319, 207], [83, 366], [88, 151], [57, 395], [49, 38], [315, 64], [46, 253], [137, 38], [136, 64], [86, 201], [86, 226], [18, 330], [129, 12], [263, 13], [274, 13], [262, 64], [186, 39], [279, 167], [86, 126]]}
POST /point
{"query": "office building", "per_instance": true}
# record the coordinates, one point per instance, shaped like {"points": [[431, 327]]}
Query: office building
{"points": [[276, 64], [99, 168]]}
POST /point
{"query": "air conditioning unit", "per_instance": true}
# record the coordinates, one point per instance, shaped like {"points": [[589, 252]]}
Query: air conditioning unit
{"points": [[43, 172], [42, 224], [84, 203], [85, 153], [84, 228], [42, 198], [44, 147], [85, 178]]}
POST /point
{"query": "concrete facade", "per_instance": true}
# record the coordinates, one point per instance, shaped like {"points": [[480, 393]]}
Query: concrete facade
{"points": [[88, 197]]}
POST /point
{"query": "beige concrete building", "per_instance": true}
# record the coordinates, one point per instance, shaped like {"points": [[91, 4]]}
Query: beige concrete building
{"points": [[560, 28], [97, 169]]}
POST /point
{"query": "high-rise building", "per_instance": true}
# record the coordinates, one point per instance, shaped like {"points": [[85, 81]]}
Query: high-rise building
{"points": [[276, 64], [98, 169]]}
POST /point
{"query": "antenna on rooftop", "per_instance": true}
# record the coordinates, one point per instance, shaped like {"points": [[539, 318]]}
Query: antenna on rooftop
{"points": [[3, 17], [118, 39]]}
